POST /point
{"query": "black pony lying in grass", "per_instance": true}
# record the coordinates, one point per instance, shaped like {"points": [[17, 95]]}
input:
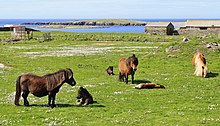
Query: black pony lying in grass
{"points": [[84, 97]]}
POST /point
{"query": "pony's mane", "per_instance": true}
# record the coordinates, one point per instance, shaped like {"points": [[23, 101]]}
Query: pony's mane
{"points": [[135, 59], [198, 56], [51, 74], [132, 58], [201, 56], [55, 79]]}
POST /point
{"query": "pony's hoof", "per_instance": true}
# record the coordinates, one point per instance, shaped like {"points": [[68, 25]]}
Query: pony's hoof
{"points": [[17, 104], [52, 106], [26, 104]]}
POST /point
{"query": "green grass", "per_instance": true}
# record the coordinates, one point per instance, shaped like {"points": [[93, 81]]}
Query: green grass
{"points": [[187, 99]]}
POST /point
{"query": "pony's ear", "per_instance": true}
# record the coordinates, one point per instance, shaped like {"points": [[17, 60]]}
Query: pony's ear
{"points": [[69, 73], [81, 88]]}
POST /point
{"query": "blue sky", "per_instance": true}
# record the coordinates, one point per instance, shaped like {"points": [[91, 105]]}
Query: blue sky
{"points": [[129, 9]]}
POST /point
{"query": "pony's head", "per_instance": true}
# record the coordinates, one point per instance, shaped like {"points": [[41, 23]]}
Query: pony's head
{"points": [[109, 70], [132, 61], [82, 93], [204, 71], [69, 77]]}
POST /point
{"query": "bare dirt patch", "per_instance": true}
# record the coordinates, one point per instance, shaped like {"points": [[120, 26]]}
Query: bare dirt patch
{"points": [[3, 66], [82, 50], [70, 52]]}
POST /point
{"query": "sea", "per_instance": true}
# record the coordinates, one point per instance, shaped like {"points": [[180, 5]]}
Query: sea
{"points": [[113, 29]]}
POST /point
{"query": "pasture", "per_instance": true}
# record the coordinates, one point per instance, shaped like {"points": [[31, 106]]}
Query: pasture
{"points": [[186, 99]]}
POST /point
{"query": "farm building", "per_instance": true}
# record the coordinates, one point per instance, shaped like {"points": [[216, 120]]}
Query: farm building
{"points": [[200, 26], [161, 28], [18, 32]]}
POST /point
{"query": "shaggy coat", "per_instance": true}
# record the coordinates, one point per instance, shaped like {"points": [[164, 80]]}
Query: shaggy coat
{"points": [[84, 97], [109, 70], [148, 86], [42, 85], [127, 67], [199, 62]]}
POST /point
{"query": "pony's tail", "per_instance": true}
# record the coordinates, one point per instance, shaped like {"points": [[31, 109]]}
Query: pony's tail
{"points": [[18, 91]]}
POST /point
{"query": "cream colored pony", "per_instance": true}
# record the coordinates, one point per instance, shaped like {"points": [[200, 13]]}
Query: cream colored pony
{"points": [[199, 62]]}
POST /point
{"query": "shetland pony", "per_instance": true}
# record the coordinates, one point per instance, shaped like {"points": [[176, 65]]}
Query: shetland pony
{"points": [[199, 62], [42, 85], [109, 71], [127, 67], [148, 86], [84, 97]]}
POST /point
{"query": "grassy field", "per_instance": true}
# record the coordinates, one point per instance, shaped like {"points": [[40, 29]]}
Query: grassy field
{"points": [[186, 100]]}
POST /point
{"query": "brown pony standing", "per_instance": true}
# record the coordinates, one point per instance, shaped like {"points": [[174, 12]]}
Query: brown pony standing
{"points": [[199, 62], [42, 85], [127, 67]]}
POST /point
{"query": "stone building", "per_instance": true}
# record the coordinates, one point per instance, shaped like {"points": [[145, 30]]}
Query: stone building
{"points": [[161, 28], [200, 27]]}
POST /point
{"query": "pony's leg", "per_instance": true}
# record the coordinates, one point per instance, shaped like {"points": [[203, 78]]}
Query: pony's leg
{"points": [[49, 100], [51, 96], [53, 101], [121, 77], [132, 78], [195, 71], [86, 102], [126, 78], [25, 95]]}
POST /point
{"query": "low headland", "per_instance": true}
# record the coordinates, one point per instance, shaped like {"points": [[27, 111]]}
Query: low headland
{"points": [[88, 23]]}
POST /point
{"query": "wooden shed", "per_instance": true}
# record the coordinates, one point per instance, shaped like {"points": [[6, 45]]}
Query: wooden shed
{"points": [[161, 28]]}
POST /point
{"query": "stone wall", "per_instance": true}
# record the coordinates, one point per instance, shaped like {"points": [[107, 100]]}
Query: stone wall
{"points": [[198, 31], [156, 30]]}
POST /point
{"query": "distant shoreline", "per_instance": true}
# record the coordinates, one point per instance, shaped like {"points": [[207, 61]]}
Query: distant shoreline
{"points": [[69, 26], [88, 23]]}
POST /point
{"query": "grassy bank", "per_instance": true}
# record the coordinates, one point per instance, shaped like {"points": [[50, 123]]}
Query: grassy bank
{"points": [[186, 100]]}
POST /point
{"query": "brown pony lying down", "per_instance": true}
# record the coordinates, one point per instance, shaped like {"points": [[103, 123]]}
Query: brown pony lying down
{"points": [[148, 86], [199, 62]]}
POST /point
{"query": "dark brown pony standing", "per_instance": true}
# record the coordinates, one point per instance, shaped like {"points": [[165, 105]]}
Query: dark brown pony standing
{"points": [[127, 67], [42, 85]]}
